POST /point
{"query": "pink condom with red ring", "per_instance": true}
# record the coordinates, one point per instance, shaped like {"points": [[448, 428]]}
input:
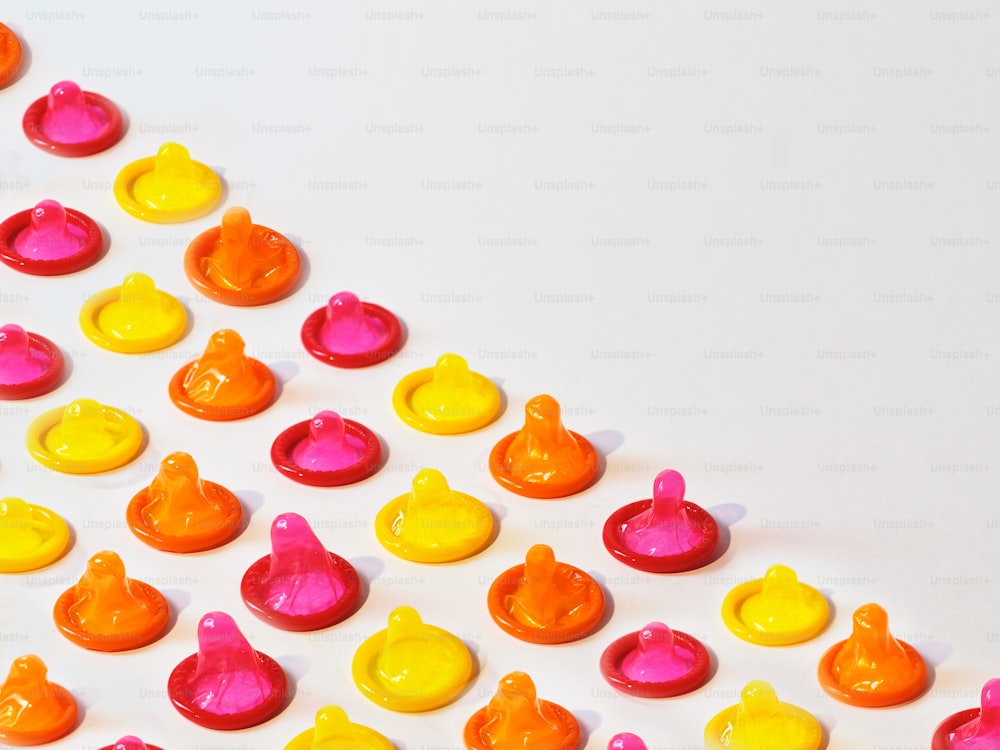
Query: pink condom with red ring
{"points": [[973, 728], [30, 365], [71, 122], [626, 741], [50, 240], [327, 451], [655, 662], [665, 534], [130, 742], [300, 585], [351, 333], [227, 684]]}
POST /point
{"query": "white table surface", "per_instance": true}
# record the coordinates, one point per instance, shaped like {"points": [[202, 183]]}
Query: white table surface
{"points": [[756, 245]]}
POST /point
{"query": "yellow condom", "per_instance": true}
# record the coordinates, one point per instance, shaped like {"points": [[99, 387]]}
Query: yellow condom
{"points": [[84, 437], [133, 318], [167, 188], [433, 523]]}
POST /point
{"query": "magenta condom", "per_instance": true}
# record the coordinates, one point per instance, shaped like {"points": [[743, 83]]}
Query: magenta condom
{"points": [[327, 451], [50, 240], [656, 662], [351, 333], [300, 585], [130, 742], [226, 685], [665, 534], [71, 122], [30, 365], [626, 741], [973, 728]]}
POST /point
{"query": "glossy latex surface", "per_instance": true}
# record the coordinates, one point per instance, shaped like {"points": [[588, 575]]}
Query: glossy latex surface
{"points": [[411, 666], [350, 333], [227, 684], [224, 383], [31, 536], [546, 601], [334, 731], [871, 668], [30, 365], [544, 459], [973, 729], [300, 585], [50, 240], [776, 610], [133, 318], [181, 512], [72, 122], [34, 711], [130, 742], [446, 399], [433, 523], [108, 611], [167, 188], [242, 263], [84, 437], [11, 54], [656, 662], [626, 741], [327, 451], [517, 719], [666, 534], [761, 722]]}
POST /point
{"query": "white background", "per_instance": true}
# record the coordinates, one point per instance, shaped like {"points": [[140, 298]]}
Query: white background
{"points": [[753, 244]]}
